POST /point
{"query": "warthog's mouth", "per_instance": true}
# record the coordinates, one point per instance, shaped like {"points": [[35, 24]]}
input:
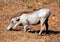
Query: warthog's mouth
{"points": [[9, 28]]}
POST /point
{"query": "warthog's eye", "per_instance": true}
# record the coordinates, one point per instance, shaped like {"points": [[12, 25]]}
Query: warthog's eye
{"points": [[18, 19], [11, 21]]}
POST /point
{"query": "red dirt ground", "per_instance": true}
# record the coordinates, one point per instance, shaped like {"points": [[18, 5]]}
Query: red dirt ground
{"points": [[9, 8]]}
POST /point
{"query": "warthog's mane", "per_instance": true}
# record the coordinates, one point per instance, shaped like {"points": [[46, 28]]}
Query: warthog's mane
{"points": [[24, 12]]}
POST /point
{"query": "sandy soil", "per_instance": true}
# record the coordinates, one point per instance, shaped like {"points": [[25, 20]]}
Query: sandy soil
{"points": [[9, 8]]}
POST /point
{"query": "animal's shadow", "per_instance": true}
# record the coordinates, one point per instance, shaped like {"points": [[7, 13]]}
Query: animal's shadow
{"points": [[48, 32], [14, 29]]}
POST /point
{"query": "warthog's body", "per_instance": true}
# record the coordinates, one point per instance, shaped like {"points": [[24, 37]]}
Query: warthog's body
{"points": [[30, 18]]}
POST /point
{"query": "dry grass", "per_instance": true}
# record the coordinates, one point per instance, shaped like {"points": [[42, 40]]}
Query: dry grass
{"points": [[9, 8]]}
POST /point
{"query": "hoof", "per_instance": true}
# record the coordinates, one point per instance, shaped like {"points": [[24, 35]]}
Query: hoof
{"points": [[29, 30], [24, 30], [39, 34]]}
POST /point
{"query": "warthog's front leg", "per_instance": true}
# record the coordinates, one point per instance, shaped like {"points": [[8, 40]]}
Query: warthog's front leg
{"points": [[16, 25], [25, 28]]}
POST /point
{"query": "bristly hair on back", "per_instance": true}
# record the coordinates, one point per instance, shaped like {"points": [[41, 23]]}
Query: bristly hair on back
{"points": [[26, 12]]}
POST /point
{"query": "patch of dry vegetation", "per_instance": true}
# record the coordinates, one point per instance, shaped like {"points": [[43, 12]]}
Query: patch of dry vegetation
{"points": [[9, 8]]}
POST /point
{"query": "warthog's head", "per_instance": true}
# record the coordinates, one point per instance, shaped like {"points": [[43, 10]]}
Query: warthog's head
{"points": [[14, 22]]}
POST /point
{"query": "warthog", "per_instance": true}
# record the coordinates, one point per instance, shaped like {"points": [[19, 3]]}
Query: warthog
{"points": [[27, 19]]}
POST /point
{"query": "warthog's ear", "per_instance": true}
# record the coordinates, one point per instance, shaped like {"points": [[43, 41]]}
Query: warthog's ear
{"points": [[18, 19]]}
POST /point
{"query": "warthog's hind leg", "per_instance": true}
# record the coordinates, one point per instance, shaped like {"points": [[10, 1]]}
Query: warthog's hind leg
{"points": [[42, 20]]}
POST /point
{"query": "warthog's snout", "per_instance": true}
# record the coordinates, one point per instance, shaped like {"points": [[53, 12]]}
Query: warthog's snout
{"points": [[9, 28]]}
